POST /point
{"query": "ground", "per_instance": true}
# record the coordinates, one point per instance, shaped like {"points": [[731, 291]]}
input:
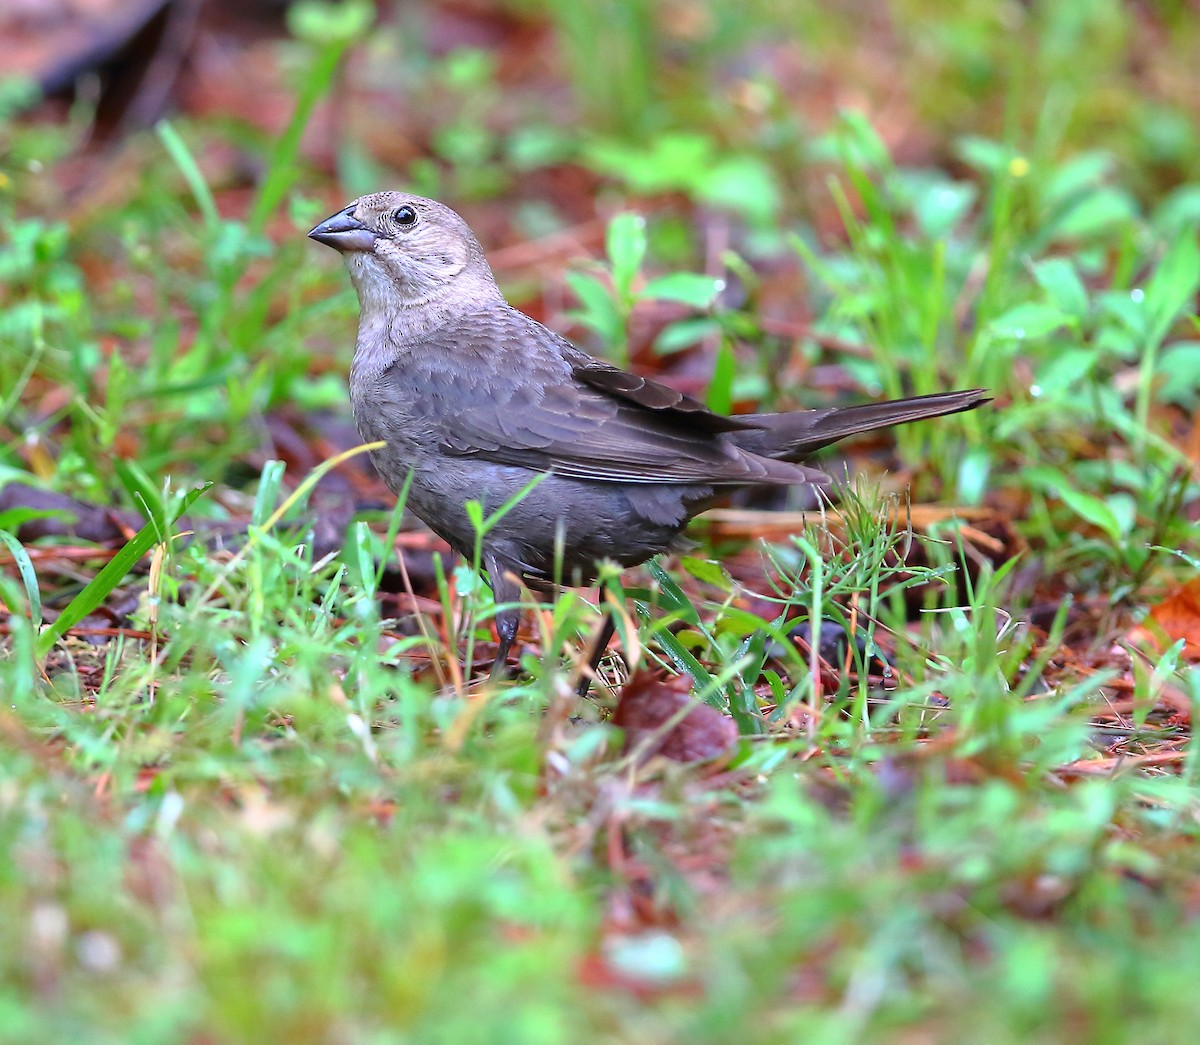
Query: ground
{"points": [[255, 784]]}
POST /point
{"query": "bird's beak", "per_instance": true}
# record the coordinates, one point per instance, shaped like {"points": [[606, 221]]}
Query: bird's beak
{"points": [[343, 232]]}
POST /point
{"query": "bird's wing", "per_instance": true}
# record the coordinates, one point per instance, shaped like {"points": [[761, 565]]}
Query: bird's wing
{"points": [[647, 393], [499, 386]]}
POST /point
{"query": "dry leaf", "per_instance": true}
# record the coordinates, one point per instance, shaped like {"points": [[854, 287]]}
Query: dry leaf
{"points": [[1178, 615], [649, 700]]}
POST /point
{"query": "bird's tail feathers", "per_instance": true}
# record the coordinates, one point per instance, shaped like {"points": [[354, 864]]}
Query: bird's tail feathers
{"points": [[794, 435]]}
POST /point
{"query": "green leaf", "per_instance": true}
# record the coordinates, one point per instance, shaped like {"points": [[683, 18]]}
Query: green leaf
{"points": [[708, 570], [863, 146], [1096, 213], [686, 662], [266, 497], [28, 576], [319, 22], [940, 205], [1079, 175], [743, 623], [182, 156], [1092, 510], [1172, 288], [672, 598], [599, 310], [1124, 509], [1061, 282], [1178, 213], [1060, 375], [1030, 319], [362, 542], [671, 163], [14, 518], [1128, 308], [115, 571], [984, 155], [684, 334], [1170, 292], [743, 184], [626, 248], [973, 471], [140, 489], [720, 388], [1178, 370], [17, 92], [688, 288]]}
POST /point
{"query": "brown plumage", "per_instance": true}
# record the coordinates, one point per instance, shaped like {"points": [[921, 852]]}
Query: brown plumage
{"points": [[476, 400]]}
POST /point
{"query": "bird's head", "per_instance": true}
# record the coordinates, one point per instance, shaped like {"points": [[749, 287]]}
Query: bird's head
{"points": [[405, 250]]}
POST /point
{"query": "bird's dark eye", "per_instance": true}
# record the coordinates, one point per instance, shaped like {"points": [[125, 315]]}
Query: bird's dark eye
{"points": [[404, 216]]}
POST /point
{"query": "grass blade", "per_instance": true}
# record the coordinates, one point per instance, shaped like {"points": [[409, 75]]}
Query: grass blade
{"points": [[182, 156], [28, 576], [115, 571]]}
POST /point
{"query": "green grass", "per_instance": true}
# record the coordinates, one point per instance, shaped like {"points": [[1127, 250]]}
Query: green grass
{"points": [[264, 809]]}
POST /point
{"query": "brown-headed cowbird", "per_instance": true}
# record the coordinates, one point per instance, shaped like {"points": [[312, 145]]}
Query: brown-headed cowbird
{"points": [[477, 401]]}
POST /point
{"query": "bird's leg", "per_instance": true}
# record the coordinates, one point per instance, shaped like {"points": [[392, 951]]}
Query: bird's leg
{"points": [[596, 651], [507, 622], [505, 589]]}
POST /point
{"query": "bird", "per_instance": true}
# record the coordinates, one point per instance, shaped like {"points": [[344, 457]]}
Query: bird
{"points": [[574, 461]]}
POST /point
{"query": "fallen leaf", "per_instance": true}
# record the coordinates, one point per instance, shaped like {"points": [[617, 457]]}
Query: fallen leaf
{"points": [[649, 701], [1178, 616]]}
